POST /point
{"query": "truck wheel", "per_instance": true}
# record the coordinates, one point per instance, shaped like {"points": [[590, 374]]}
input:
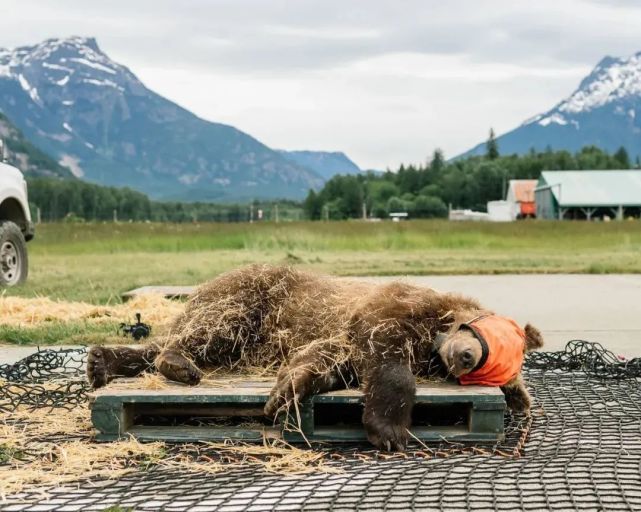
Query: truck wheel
{"points": [[14, 263]]}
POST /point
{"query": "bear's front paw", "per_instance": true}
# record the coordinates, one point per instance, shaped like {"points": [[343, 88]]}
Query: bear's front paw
{"points": [[292, 384], [517, 397], [519, 402], [387, 433]]}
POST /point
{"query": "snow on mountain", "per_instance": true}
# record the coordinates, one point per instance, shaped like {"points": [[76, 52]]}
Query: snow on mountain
{"points": [[56, 62], [73, 101], [602, 111], [611, 81]]}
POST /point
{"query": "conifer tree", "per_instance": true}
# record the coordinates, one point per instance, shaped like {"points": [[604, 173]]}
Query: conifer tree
{"points": [[492, 146], [621, 156], [437, 160]]}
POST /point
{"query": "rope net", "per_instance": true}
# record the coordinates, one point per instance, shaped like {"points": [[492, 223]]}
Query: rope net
{"points": [[580, 448]]}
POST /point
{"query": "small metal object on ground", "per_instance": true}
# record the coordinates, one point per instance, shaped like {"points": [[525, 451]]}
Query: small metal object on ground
{"points": [[170, 292], [220, 410]]}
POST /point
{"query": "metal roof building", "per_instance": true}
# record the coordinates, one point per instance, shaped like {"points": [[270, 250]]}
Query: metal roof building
{"points": [[588, 194]]}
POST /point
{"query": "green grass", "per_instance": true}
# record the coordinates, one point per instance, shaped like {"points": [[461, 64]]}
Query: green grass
{"points": [[97, 262], [335, 236], [56, 332]]}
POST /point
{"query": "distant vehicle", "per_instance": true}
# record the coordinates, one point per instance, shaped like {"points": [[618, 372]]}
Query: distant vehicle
{"points": [[16, 228]]}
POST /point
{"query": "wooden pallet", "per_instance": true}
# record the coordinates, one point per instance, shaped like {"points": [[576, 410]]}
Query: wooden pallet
{"points": [[234, 410]]}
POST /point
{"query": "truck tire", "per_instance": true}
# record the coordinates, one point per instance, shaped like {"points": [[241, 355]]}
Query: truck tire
{"points": [[14, 262]]}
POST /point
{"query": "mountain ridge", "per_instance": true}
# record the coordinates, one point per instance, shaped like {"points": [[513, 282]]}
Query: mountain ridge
{"points": [[96, 117], [325, 163]]}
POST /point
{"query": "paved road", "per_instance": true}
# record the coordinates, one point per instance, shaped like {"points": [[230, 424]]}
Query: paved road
{"points": [[603, 308], [11, 353]]}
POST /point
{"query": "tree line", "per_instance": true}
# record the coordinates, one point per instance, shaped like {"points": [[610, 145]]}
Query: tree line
{"points": [[422, 191], [79, 201], [428, 190]]}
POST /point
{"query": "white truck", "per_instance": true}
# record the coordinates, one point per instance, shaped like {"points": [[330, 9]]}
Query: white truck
{"points": [[16, 227]]}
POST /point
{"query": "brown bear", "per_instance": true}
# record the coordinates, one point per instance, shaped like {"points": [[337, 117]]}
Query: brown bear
{"points": [[325, 333]]}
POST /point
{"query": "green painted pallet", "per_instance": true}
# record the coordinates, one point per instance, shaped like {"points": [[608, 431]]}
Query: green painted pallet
{"points": [[441, 411], [223, 410]]}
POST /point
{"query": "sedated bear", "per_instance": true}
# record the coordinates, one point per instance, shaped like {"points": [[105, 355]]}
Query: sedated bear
{"points": [[327, 333]]}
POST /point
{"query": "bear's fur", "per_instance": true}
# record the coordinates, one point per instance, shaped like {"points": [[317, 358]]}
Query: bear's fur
{"points": [[325, 333]]}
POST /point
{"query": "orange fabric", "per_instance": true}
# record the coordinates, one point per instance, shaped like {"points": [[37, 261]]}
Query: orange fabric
{"points": [[506, 343], [528, 208]]}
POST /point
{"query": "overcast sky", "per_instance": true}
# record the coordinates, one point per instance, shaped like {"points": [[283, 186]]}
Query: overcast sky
{"points": [[384, 81]]}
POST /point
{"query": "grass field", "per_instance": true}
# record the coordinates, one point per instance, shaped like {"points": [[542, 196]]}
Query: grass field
{"points": [[97, 262]]}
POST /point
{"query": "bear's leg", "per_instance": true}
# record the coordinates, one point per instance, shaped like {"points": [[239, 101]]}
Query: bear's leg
{"points": [[517, 397], [107, 363], [310, 372], [389, 399]]}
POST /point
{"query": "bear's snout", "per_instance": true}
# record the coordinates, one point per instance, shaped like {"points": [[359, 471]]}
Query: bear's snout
{"points": [[466, 359]]}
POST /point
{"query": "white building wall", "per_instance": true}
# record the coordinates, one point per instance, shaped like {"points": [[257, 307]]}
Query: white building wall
{"points": [[500, 211]]}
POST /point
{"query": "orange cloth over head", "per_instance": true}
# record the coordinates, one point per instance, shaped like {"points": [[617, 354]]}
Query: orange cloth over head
{"points": [[503, 343]]}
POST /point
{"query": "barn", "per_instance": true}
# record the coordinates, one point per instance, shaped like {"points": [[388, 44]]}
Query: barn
{"points": [[588, 195], [518, 203]]}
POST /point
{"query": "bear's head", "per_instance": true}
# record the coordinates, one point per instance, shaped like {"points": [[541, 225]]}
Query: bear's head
{"points": [[460, 351]]}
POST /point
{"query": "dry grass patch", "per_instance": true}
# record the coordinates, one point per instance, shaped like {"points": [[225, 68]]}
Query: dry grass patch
{"points": [[45, 448], [43, 321], [19, 311]]}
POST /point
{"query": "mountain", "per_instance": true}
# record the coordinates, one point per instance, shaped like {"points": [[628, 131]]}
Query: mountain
{"points": [[324, 163], [98, 119], [605, 111], [25, 156]]}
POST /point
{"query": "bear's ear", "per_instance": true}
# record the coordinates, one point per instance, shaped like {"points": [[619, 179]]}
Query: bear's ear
{"points": [[533, 338]]}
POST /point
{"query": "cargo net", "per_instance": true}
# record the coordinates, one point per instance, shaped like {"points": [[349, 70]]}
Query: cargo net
{"points": [[580, 448]]}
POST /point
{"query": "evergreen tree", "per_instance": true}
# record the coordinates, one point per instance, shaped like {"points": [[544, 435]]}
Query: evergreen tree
{"points": [[622, 157], [438, 161], [492, 146], [313, 206]]}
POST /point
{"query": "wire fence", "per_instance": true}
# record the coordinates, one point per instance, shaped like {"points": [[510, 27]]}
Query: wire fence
{"points": [[579, 449]]}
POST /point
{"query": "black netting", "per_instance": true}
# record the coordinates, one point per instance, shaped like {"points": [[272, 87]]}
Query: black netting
{"points": [[46, 378], [46, 365], [581, 449]]}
